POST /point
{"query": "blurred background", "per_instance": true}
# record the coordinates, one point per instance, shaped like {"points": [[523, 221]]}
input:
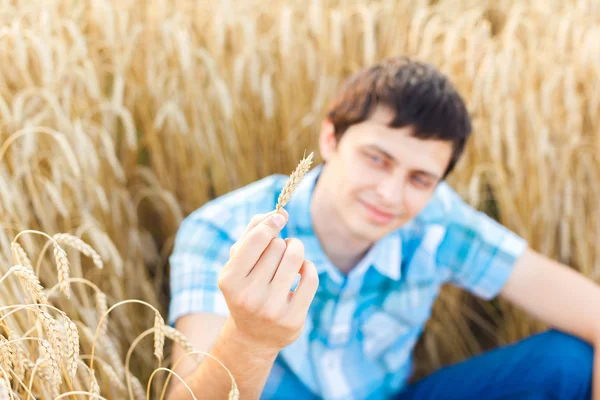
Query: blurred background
{"points": [[120, 117]]}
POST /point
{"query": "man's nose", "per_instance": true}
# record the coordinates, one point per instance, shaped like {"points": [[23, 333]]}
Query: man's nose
{"points": [[391, 190]]}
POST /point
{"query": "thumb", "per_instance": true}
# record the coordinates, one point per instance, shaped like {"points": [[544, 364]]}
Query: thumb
{"points": [[257, 220]]}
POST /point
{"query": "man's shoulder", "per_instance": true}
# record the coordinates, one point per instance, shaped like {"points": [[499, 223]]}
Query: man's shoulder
{"points": [[450, 222], [231, 212], [444, 205]]}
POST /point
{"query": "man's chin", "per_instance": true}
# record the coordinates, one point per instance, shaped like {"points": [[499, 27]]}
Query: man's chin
{"points": [[370, 232]]}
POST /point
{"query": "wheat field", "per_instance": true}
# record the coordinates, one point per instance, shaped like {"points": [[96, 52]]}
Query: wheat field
{"points": [[120, 117]]}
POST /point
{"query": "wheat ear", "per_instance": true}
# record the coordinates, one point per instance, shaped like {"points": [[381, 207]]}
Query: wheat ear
{"points": [[72, 347], [159, 336], [81, 246], [31, 282], [20, 255], [294, 181], [62, 265]]}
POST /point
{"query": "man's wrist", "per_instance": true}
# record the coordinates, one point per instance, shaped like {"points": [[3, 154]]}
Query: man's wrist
{"points": [[245, 343]]}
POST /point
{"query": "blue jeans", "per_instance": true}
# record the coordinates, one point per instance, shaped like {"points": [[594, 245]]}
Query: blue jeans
{"points": [[549, 365]]}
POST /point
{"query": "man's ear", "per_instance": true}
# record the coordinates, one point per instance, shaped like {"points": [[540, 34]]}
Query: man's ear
{"points": [[327, 140]]}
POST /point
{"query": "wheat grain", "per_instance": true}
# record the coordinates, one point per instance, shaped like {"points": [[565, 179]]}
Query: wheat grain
{"points": [[62, 265], [49, 355], [93, 384], [20, 255], [114, 379], [52, 331], [113, 354], [159, 336], [234, 393], [19, 355], [31, 282], [109, 350], [138, 389], [81, 246], [6, 354], [55, 198], [101, 307], [293, 181], [179, 338], [72, 347]]}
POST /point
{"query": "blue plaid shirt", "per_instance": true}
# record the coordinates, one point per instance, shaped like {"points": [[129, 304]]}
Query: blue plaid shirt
{"points": [[361, 328]]}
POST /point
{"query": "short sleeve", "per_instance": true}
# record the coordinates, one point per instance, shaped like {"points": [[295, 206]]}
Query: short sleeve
{"points": [[478, 250], [201, 250]]}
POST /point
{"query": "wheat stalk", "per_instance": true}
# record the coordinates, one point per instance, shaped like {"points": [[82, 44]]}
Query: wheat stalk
{"points": [[93, 384], [179, 338], [293, 181], [234, 392], [157, 340], [170, 371]]}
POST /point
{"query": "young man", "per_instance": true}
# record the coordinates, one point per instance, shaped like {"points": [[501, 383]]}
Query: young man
{"points": [[374, 232]]}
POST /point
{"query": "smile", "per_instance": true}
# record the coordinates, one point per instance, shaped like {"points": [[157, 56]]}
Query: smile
{"points": [[377, 215]]}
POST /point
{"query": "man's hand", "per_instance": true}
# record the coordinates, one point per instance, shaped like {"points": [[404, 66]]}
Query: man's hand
{"points": [[256, 283]]}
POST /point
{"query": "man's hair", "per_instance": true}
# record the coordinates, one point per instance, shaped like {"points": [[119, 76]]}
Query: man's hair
{"points": [[420, 96]]}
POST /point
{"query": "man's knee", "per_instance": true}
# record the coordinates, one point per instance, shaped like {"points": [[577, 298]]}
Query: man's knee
{"points": [[568, 361]]}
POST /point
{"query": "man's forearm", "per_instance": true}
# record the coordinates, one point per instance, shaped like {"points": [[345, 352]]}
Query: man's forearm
{"points": [[249, 365]]}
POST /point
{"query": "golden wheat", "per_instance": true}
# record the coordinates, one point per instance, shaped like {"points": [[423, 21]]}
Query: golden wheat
{"points": [[6, 354], [80, 245], [21, 256], [293, 181], [103, 142], [30, 281]]}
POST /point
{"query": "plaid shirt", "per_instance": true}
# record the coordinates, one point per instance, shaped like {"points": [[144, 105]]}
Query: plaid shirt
{"points": [[361, 328]]}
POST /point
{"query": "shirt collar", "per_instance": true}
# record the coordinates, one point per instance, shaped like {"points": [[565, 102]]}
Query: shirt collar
{"points": [[385, 255]]}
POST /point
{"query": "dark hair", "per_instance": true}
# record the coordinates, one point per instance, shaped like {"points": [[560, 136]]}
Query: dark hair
{"points": [[419, 95]]}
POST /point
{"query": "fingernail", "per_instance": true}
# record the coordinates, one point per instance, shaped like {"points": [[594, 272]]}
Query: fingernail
{"points": [[278, 220]]}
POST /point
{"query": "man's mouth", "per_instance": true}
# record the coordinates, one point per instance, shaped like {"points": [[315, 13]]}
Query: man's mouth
{"points": [[376, 214]]}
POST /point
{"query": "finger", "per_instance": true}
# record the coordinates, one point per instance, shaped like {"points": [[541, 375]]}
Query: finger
{"points": [[288, 267], [302, 297], [255, 243], [257, 219], [267, 264]]}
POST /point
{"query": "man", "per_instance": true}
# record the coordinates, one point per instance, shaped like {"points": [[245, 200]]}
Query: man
{"points": [[374, 232]]}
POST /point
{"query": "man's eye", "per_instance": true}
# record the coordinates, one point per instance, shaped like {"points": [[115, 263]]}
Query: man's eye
{"points": [[421, 181], [375, 159]]}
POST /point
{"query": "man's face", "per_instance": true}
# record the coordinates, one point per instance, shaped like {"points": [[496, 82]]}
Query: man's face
{"points": [[380, 177]]}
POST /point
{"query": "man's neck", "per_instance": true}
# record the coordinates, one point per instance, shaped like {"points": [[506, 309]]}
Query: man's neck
{"points": [[343, 250]]}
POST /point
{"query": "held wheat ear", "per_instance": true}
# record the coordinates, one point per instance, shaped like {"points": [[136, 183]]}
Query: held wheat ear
{"points": [[294, 181]]}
